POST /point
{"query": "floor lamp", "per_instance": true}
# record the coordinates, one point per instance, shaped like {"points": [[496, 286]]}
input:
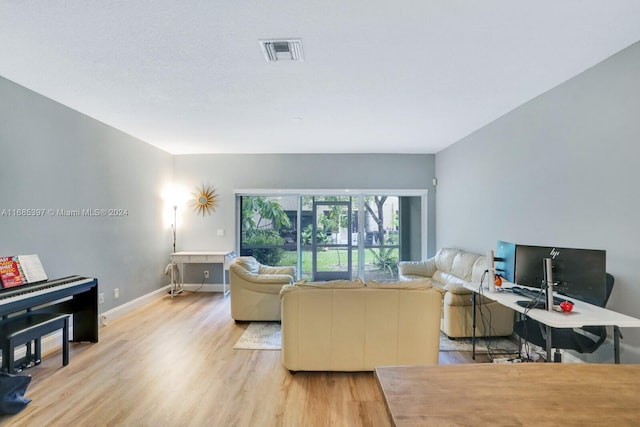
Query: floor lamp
{"points": [[176, 280], [174, 225]]}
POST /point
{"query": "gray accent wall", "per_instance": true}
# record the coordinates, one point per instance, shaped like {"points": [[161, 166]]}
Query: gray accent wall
{"points": [[561, 170], [57, 159], [231, 172]]}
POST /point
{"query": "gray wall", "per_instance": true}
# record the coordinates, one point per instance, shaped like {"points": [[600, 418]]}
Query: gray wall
{"points": [[56, 158], [560, 170], [229, 172], [410, 227]]}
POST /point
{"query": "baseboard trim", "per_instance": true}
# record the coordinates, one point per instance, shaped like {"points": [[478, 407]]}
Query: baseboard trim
{"points": [[132, 305]]}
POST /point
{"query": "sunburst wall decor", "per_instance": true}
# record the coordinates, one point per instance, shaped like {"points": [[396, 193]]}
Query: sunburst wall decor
{"points": [[204, 200]]}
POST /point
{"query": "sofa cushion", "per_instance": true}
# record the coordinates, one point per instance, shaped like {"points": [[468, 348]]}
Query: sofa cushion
{"points": [[457, 299], [462, 265], [421, 283], [464, 298], [417, 269], [479, 268], [444, 259], [457, 289], [410, 277], [445, 279]]}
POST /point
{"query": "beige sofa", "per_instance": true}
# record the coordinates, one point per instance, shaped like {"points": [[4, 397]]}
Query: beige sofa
{"points": [[343, 325], [255, 289], [448, 270]]}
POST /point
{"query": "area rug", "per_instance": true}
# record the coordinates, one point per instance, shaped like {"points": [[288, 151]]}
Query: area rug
{"points": [[260, 336], [267, 336]]}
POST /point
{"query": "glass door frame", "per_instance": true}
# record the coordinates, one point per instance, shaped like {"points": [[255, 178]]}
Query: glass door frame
{"points": [[326, 275], [360, 194]]}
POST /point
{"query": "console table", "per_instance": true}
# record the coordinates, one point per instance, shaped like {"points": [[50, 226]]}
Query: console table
{"points": [[511, 394], [199, 257], [583, 314]]}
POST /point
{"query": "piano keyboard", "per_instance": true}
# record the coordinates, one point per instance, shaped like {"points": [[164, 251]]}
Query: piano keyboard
{"points": [[11, 295]]}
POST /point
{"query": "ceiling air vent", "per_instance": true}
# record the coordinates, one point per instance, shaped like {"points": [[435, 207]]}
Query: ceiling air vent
{"points": [[282, 50]]}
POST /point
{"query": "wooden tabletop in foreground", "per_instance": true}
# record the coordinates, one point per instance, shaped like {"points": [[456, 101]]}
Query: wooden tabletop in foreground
{"points": [[512, 394]]}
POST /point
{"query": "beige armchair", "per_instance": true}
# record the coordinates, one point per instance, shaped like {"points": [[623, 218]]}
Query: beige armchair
{"points": [[255, 289]]}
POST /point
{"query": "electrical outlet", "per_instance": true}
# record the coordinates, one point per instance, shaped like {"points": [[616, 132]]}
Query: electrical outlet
{"points": [[116, 293], [101, 298], [206, 274]]}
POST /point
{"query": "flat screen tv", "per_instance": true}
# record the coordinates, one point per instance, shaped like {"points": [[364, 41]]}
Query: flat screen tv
{"points": [[579, 273]]}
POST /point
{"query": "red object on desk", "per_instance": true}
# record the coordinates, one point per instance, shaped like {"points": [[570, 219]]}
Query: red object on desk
{"points": [[566, 306]]}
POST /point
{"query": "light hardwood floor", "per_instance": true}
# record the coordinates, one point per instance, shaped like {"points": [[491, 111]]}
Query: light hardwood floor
{"points": [[172, 363]]}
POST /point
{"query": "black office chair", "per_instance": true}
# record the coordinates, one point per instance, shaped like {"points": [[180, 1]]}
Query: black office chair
{"points": [[566, 338]]}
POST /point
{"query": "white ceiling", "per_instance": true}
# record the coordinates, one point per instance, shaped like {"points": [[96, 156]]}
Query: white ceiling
{"points": [[379, 76]]}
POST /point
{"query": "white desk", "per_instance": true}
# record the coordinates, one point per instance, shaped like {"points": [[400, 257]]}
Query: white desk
{"points": [[200, 257], [583, 314]]}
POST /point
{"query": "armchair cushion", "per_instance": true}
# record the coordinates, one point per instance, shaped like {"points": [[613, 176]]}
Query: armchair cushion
{"points": [[248, 263], [266, 269], [265, 287], [255, 289]]}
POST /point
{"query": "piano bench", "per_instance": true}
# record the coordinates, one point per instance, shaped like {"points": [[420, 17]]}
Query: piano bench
{"points": [[28, 327]]}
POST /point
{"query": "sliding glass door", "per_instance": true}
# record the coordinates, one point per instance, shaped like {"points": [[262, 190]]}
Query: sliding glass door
{"points": [[326, 236]]}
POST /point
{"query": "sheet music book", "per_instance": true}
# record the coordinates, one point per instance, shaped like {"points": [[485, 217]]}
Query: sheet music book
{"points": [[20, 270]]}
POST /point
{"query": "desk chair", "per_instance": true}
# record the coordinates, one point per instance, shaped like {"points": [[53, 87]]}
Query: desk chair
{"points": [[566, 338]]}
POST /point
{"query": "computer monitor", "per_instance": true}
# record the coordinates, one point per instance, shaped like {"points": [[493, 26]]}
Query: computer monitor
{"points": [[505, 260], [579, 273]]}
